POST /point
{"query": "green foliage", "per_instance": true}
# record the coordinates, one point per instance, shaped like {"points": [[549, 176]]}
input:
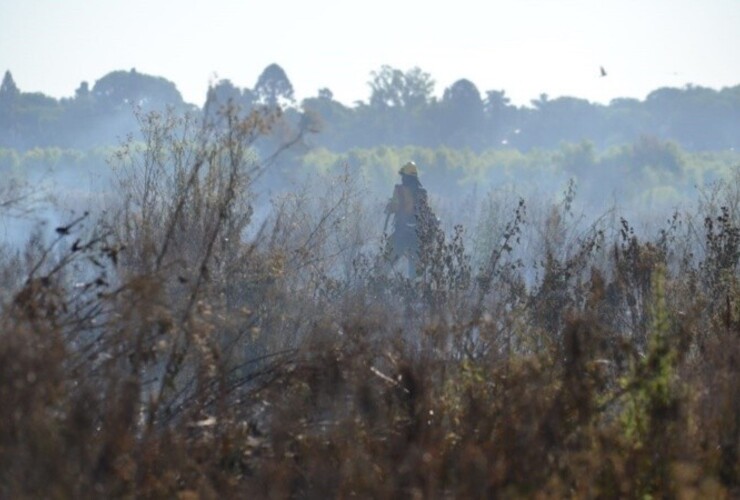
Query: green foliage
{"points": [[578, 159], [659, 175], [650, 387], [653, 396]]}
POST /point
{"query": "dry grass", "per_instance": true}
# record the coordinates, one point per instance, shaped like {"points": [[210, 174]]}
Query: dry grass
{"points": [[155, 354]]}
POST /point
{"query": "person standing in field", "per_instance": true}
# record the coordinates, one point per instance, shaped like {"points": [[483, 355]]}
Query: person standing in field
{"points": [[413, 219]]}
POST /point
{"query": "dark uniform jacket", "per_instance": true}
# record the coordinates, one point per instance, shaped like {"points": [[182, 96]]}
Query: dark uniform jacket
{"points": [[408, 205]]}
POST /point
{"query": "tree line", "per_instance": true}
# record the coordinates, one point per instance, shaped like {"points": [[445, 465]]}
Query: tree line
{"points": [[402, 109]]}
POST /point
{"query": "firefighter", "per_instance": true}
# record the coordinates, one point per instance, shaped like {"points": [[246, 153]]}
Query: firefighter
{"points": [[412, 218]]}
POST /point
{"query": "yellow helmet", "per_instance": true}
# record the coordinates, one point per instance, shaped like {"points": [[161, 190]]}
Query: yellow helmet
{"points": [[409, 169]]}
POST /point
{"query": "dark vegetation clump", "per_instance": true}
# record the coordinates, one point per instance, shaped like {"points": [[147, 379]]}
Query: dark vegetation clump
{"points": [[172, 347]]}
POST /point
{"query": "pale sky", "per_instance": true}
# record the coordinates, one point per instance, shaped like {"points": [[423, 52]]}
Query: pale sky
{"points": [[525, 47]]}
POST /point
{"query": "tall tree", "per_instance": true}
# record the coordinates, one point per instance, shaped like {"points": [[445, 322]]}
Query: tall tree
{"points": [[8, 89], [9, 94], [273, 87], [462, 114], [392, 87], [464, 96], [121, 88], [501, 118]]}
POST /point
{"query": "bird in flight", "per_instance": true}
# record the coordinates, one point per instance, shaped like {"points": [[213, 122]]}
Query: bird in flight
{"points": [[603, 71]]}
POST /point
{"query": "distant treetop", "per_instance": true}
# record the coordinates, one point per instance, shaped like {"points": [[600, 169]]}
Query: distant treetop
{"points": [[273, 87], [8, 88]]}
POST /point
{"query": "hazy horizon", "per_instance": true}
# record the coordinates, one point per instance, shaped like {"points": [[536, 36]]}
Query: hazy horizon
{"points": [[525, 48]]}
